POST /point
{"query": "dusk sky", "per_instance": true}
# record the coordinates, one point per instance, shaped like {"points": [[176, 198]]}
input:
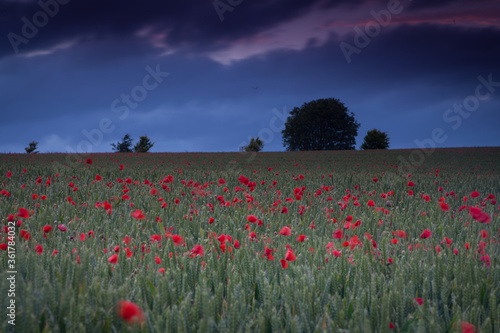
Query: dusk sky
{"points": [[208, 75]]}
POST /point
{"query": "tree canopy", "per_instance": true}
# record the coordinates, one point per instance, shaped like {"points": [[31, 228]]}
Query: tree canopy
{"points": [[144, 145], [32, 147], [124, 146], [323, 124], [255, 145], [375, 139]]}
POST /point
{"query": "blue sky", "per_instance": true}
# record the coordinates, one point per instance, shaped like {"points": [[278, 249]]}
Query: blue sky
{"points": [[77, 76]]}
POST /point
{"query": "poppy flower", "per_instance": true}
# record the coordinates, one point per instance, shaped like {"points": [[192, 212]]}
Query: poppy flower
{"points": [[285, 231], [400, 234], [419, 300], [444, 206], [337, 253], [113, 259], [252, 219], [158, 260], [98, 178], [3, 246], [394, 241], [371, 203], [137, 214], [47, 228], [211, 220], [301, 238], [474, 194], [425, 234], [39, 249], [198, 250], [178, 240], [88, 161], [467, 327], [290, 256], [411, 184], [23, 212], [9, 174], [62, 227], [284, 263], [130, 312]]}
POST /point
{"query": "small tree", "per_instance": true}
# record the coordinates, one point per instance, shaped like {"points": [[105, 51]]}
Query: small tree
{"points": [[254, 145], [144, 145], [32, 147], [124, 146], [375, 139], [323, 124]]}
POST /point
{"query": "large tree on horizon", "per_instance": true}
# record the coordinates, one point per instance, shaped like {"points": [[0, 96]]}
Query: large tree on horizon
{"points": [[322, 124]]}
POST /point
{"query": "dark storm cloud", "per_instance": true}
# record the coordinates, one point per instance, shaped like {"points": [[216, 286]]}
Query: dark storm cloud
{"points": [[197, 25]]}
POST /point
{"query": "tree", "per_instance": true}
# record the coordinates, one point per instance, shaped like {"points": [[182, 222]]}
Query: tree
{"points": [[375, 139], [32, 147], [124, 146], [323, 124], [144, 145], [254, 145]]}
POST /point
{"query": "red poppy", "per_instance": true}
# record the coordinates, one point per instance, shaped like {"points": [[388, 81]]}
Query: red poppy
{"points": [[158, 260], [130, 312], [252, 219], [137, 214], [400, 234], [23, 212], [337, 234], [88, 161], [425, 234], [290, 256], [301, 238], [419, 300], [39, 249], [444, 206], [62, 227], [47, 228], [468, 327], [9, 174], [411, 184], [211, 220], [284, 263], [3, 246], [113, 259], [98, 178], [394, 241], [285, 231], [237, 244], [198, 250], [474, 194], [178, 240], [371, 203]]}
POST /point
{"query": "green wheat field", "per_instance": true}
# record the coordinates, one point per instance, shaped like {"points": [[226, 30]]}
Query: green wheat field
{"points": [[333, 241]]}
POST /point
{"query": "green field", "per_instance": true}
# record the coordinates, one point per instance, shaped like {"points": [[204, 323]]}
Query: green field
{"points": [[355, 255]]}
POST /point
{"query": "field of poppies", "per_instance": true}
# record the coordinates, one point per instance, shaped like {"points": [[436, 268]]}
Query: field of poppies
{"points": [[346, 241]]}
